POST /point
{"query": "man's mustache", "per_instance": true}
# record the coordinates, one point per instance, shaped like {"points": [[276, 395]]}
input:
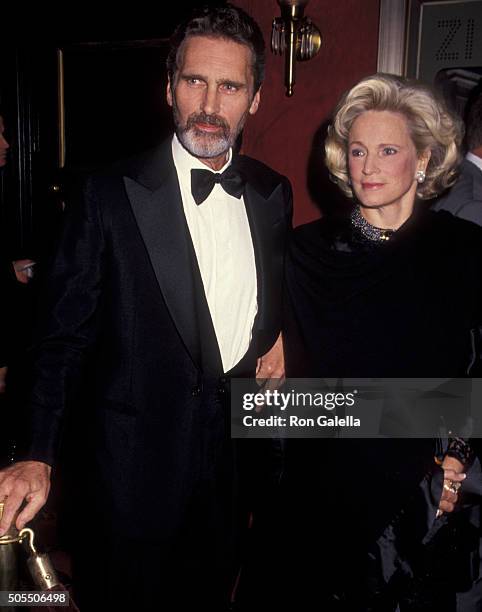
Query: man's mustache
{"points": [[208, 119]]}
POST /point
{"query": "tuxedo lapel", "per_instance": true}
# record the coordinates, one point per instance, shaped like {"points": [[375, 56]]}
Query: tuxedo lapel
{"points": [[476, 179], [261, 199], [157, 205], [253, 203]]}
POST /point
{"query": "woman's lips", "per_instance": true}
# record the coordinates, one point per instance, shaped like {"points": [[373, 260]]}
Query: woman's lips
{"points": [[372, 186]]}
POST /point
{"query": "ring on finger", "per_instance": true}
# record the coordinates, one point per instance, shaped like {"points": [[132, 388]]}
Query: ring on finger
{"points": [[452, 486]]}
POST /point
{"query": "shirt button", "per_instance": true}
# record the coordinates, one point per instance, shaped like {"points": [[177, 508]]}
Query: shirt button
{"points": [[195, 391]]}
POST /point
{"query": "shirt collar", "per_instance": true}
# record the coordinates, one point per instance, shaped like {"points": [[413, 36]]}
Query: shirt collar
{"points": [[475, 159]]}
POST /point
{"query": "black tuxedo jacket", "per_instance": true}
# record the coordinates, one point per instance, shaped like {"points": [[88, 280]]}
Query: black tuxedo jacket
{"points": [[128, 340], [464, 199]]}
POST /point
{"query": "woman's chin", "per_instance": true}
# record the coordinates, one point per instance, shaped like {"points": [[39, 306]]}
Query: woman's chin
{"points": [[372, 202]]}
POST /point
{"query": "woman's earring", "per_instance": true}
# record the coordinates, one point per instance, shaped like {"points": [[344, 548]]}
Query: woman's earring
{"points": [[420, 176]]}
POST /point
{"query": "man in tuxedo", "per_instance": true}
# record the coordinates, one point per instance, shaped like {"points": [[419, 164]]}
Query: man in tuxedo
{"points": [[167, 282]]}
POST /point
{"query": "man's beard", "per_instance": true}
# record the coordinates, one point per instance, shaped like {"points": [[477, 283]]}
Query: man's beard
{"points": [[204, 144]]}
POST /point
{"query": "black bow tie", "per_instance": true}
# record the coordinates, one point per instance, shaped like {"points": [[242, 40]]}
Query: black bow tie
{"points": [[203, 181]]}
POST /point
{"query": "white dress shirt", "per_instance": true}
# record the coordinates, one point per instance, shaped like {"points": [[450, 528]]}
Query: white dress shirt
{"points": [[222, 241]]}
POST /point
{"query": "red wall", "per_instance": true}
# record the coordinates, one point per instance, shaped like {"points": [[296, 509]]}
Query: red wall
{"points": [[281, 133]]}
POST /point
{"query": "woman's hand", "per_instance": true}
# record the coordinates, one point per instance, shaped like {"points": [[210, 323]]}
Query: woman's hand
{"points": [[453, 478]]}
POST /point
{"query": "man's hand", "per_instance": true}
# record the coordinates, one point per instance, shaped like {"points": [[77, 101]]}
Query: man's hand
{"points": [[25, 480], [453, 477], [272, 364], [23, 269]]}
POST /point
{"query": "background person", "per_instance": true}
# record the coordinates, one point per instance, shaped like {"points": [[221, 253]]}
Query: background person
{"points": [[464, 199]]}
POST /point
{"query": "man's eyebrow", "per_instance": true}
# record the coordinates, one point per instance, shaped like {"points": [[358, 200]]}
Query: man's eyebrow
{"points": [[223, 81], [188, 75]]}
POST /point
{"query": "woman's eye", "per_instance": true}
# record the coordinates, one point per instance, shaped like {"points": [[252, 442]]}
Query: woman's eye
{"points": [[356, 153], [389, 151]]}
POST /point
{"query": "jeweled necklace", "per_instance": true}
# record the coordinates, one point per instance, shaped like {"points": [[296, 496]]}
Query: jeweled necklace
{"points": [[369, 231]]}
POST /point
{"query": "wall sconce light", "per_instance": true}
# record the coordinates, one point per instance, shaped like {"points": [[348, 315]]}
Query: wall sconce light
{"points": [[296, 36]]}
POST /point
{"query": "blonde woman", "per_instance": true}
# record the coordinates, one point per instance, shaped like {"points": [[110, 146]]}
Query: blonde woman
{"points": [[391, 290]]}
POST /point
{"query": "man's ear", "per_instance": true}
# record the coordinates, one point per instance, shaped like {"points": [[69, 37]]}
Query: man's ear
{"points": [[255, 102], [169, 91]]}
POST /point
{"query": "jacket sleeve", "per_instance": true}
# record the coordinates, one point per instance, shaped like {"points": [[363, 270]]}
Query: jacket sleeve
{"points": [[68, 324], [267, 336], [6, 312]]}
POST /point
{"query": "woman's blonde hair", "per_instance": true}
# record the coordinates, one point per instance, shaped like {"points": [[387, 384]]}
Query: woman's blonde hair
{"points": [[430, 124]]}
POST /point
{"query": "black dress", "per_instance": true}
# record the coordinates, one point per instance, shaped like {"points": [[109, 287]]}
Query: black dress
{"points": [[409, 307]]}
